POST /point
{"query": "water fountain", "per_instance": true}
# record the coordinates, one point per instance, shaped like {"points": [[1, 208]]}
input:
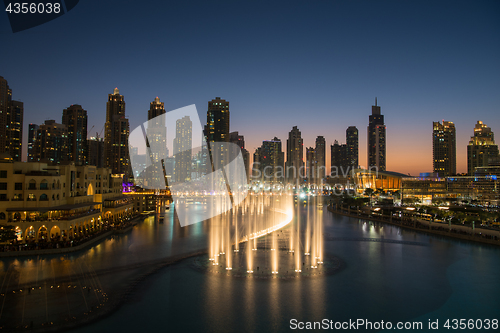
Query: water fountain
{"points": [[265, 236]]}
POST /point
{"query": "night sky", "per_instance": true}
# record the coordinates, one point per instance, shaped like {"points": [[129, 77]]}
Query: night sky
{"points": [[315, 64]]}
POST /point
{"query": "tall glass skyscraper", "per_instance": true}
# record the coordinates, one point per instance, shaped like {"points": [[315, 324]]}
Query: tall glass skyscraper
{"points": [[183, 145], [116, 154], [444, 149], [11, 122], [217, 129], [376, 139], [481, 148], [320, 154], [294, 155], [75, 120]]}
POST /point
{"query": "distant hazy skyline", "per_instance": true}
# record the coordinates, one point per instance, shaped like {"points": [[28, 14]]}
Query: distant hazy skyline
{"points": [[317, 65]]}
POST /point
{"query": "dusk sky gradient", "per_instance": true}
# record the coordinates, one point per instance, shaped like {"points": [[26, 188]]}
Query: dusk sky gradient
{"points": [[315, 64]]}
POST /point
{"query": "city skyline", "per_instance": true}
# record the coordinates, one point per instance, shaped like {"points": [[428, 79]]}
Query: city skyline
{"points": [[432, 62], [157, 105], [267, 165]]}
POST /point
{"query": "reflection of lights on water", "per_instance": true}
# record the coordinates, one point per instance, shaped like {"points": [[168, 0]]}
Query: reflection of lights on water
{"points": [[224, 243]]}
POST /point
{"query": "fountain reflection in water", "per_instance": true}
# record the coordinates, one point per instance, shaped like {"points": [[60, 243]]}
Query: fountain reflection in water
{"points": [[263, 226]]}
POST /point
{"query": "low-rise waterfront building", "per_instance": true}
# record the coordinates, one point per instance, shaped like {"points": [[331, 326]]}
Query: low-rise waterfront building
{"points": [[44, 201]]}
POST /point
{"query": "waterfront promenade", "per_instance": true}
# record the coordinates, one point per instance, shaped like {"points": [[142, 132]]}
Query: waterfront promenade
{"points": [[482, 235], [58, 290], [69, 246]]}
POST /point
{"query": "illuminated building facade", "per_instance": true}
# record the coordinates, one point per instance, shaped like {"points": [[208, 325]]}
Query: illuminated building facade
{"points": [[311, 164], [156, 131], [32, 128], [376, 139], [484, 188], [11, 122], [183, 145], [294, 155], [345, 157], [51, 143], [352, 146], [239, 140], [320, 152], [388, 181], [444, 148], [157, 140], [481, 148], [75, 120], [116, 129], [95, 152], [62, 201], [272, 160], [338, 158], [217, 129]]}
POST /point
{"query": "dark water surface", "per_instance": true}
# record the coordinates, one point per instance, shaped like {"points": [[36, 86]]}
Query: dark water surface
{"points": [[390, 274]]}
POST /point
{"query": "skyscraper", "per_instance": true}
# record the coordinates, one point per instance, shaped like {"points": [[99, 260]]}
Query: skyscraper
{"points": [[32, 128], [294, 155], [320, 152], [217, 129], [256, 165], [157, 139], [271, 160], [344, 157], [352, 146], [95, 152], [51, 144], [444, 148], [116, 154], [183, 145], [311, 164], [5, 99], [218, 120], [75, 120], [239, 140], [339, 161], [376, 139], [15, 130], [481, 148], [11, 122]]}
